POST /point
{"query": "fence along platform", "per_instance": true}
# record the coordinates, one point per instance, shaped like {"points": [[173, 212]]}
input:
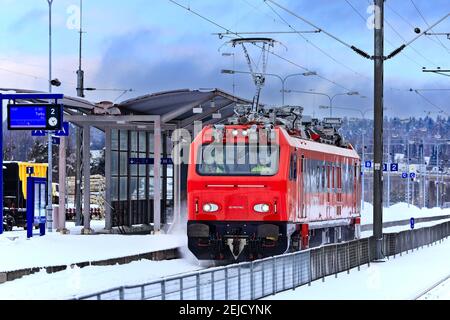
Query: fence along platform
{"points": [[265, 277]]}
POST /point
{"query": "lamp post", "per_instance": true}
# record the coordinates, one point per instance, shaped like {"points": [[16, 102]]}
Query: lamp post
{"points": [[283, 80], [49, 141], [330, 98]]}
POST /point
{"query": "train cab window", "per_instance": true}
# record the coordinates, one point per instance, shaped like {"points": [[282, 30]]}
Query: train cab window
{"points": [[293, 167], [238, 160]]}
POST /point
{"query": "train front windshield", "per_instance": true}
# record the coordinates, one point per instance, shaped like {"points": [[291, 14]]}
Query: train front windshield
{"points": [[238, 160]]}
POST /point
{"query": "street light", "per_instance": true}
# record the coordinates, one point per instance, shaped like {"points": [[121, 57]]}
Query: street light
{"points": [[331, 98], [283, 80], [49, 141], [362, 112]]}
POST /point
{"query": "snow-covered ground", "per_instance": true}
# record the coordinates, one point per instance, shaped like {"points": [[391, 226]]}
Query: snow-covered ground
{"points": [[83, 281], [402, 278], [55, 249], [401, 211]]}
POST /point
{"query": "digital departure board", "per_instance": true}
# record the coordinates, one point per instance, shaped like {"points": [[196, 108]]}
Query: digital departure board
{"points": [[35, 116]]}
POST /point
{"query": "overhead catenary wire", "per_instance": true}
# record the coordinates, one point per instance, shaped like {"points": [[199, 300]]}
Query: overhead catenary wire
{"points": [[407, 21], [357, 50], [387, 41], [404, 40], [314, 45], [271, 52], [430, 102], [426, 22]]}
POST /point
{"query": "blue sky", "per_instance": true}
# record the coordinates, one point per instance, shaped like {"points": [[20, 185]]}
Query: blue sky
{"points": [[154, 45]]}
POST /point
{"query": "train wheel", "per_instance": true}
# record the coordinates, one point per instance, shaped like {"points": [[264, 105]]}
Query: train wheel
{"points": [[295, 242]]}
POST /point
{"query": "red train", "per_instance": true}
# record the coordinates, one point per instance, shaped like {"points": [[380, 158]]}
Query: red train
{"points": [[306, 193]]}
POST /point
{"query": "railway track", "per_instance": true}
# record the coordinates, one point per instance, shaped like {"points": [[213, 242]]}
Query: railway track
{"points": [[433, 287]]}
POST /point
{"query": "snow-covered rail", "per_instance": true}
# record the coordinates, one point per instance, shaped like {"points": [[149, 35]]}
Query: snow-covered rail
{"points": [[428, 291]]}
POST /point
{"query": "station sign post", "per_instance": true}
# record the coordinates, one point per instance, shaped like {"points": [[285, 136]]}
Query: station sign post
{"points": [[29, 116]]}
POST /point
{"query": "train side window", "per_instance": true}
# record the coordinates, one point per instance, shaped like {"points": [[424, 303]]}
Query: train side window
{"points": [[293, 167], [323, 178]]}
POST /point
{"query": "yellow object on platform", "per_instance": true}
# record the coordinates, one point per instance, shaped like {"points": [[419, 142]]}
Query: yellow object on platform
{"points": [[40, 171]]}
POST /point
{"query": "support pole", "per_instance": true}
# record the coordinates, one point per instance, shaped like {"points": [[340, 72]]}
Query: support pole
{"points": [[363, 168], [61, 227], [408, 181], [108, 216], [388, 195], [437, 176], [86, 181], [1, 165], [378, 129], [78, 175], [157, 178]]}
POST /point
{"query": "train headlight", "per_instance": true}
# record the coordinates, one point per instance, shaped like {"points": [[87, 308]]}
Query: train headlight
{"points": [[261, 207], [244, 133], [210, 207], [235, 132]]}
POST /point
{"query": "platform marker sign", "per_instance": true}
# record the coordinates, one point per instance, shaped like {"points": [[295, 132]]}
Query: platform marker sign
{"points": [[412, 175], [404, 175], [394, 167], [412, 222], [368, 164], [64, 132], [38, 133]]}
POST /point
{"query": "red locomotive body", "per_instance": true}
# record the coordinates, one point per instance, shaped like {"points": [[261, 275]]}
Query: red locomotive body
{"points": [[307, 195]]}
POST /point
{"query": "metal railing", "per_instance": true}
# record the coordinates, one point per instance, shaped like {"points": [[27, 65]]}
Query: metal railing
{"points": [[261, 278]]}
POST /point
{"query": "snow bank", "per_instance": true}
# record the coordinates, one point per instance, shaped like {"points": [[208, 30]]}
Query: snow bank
{"points": [[400, 211], [55, 249], [83, 281]]}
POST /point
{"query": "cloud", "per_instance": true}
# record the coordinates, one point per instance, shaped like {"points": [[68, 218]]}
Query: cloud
{"points": [[27, 20]]}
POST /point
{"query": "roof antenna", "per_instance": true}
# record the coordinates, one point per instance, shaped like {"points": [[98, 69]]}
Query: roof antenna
{"points": [[80, 73]]}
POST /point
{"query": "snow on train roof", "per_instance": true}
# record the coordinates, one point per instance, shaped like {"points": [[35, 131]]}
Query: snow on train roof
{"points": [[319, 147]]}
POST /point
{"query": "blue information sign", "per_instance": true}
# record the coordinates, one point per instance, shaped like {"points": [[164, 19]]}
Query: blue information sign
{"points": [[38, 133], [56, 140], [412, 175], [64, 132], [368, 164], [149, 161], [412, 222], [34, 116], [394, 167], [404, 175]]}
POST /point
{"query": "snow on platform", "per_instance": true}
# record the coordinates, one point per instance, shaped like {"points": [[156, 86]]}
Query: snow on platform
{"points": [[72, 282], [55, 249], [401, 278]]}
